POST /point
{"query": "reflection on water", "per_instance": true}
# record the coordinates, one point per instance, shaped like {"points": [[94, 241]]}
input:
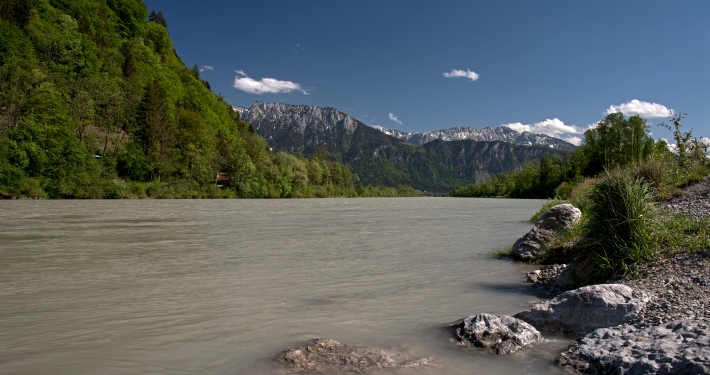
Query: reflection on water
{"points": [[222, 287]]}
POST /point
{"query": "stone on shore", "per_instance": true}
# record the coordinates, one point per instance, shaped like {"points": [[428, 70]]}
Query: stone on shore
{"points": [[330, 356], [679, 347], [580, 311], [530, 247], [496, 334]]}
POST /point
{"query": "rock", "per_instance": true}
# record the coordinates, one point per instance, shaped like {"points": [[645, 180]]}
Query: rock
{"points": [[680, 347], [562, 217], [498, 334], [564, 279], [580, 311], [330, 356]]}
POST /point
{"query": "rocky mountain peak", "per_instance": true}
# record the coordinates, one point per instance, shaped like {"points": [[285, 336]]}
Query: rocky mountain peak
{"points": [[301, 117]]}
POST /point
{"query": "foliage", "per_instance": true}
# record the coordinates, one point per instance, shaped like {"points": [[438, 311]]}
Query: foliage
{"points": [[536, 180], [95, 103], [689, 149], [616, 142]]}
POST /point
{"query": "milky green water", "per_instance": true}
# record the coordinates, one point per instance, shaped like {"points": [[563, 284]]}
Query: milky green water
{"points": [[222, 287]]}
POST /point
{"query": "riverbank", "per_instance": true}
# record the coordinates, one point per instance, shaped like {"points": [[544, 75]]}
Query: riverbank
{"points": [[677, 285]]}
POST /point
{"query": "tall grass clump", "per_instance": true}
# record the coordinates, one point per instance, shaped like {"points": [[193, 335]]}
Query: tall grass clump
{"points": [[618, 229]]}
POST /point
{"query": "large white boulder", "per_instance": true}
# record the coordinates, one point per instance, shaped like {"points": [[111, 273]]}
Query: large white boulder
{"points": [[580, 311], [562, 217]]}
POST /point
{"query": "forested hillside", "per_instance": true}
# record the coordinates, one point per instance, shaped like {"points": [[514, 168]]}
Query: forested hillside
{"points": [[96, 103]]}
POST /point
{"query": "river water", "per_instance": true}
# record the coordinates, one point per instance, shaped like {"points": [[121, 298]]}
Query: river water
{"points": [[224, 286]]}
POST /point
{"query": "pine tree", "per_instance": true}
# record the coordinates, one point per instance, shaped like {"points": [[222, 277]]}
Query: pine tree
{"points": [[155, 132], [158, 18]]}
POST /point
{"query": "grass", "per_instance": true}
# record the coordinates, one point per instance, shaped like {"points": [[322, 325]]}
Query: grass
{"points": [[618, 229], [680, 234], [502, 253]]}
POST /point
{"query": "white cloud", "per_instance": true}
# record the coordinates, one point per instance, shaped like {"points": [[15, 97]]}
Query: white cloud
{"points": [[573, 140], [265, 85], [552, 127], [456, 73], [643, 109], [207, 67], [395, 119]]}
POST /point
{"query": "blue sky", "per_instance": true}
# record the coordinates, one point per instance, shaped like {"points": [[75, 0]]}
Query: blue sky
{"points": [[548, 66]]}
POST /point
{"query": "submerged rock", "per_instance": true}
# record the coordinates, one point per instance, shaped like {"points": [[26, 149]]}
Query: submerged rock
{"points": [[680, 347], [329, 356], [562, 217], [580, 311], [498, 334]]}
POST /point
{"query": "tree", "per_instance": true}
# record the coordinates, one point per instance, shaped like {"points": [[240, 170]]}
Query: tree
{"points": [[616, 141], [155, 132], [688, 148], [158, 18]]}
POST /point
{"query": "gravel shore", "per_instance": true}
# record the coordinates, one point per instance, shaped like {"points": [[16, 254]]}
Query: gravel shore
{"points": [[694, 201], [679, 286]]}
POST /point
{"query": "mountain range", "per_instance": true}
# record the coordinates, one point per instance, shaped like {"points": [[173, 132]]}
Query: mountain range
{"points": [[502, 133], [382, 159]]}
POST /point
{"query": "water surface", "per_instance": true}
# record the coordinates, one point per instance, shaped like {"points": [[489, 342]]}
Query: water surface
{"points": [[223, 286]]}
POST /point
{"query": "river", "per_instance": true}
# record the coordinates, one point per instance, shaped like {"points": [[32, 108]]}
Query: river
{"points": [[224, 286]]}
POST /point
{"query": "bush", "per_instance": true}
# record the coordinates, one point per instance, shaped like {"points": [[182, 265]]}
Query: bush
{"points": [[618, 227]]}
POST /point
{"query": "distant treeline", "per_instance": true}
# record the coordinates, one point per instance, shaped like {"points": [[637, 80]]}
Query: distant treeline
{"points": [[617, 141], [96, 103]]}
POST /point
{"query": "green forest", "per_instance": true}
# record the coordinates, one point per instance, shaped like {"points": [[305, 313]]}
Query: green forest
{"points": [[96, 103], [617, 142]]}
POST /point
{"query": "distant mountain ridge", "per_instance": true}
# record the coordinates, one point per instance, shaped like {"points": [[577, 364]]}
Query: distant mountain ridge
{"points": [[381, 159], [502, 133]]}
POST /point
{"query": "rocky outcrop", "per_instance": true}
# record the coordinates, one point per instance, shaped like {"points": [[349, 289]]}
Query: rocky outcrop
{"points": [[580, 311], [487, 134], [497, 334], [530, 247], [330, 356], [680, 347]]}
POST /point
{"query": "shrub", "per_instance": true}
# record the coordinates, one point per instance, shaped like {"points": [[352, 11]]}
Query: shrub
{"points": [[618, 227]]}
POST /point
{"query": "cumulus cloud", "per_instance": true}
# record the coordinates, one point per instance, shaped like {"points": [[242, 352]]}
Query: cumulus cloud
{"points": [[573, 140], [265, 85], [395, 119], [456, 73], [552, 127], [643, 109], [207, 67]]}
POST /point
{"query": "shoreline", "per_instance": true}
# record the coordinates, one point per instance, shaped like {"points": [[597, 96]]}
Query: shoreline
{"points": [[677, 285]]}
